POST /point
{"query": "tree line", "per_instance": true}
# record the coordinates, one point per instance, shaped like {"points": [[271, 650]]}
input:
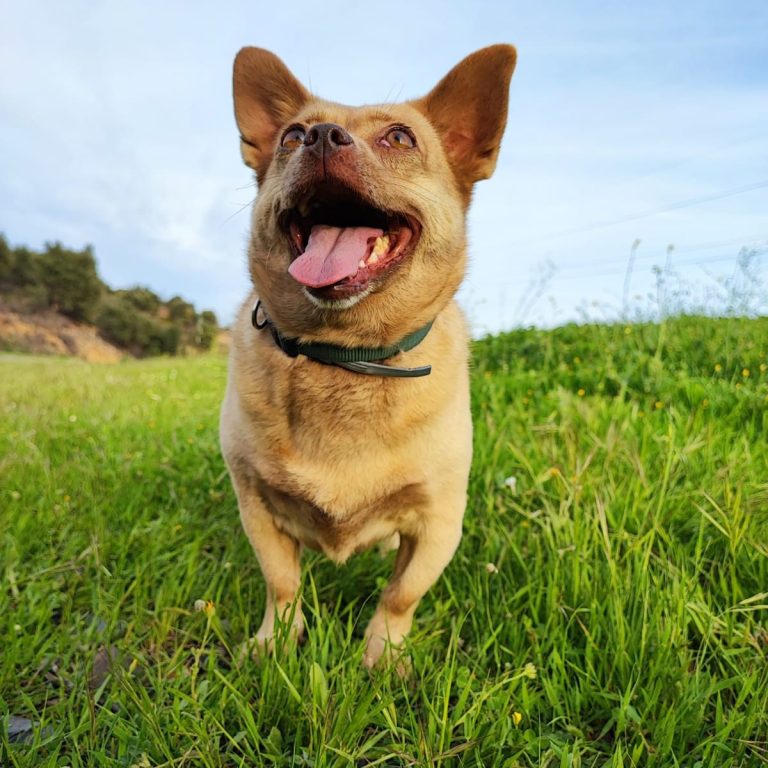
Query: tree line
{"points": [[67, 281]]}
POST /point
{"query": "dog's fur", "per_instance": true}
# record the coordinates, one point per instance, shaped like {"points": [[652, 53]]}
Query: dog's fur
{"points": [[328, 458]]}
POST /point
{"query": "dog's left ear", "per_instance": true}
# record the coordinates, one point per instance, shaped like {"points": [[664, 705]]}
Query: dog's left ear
{"points": [[468, 108]]}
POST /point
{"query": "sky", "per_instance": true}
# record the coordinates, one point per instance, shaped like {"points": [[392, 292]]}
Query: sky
{"points": [[628, 121]]}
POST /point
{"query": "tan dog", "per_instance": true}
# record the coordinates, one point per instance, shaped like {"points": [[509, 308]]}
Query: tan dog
{"points": [[358, 244]]}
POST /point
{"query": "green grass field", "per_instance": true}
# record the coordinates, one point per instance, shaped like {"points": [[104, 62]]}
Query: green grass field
{"points": [[609, 610]]}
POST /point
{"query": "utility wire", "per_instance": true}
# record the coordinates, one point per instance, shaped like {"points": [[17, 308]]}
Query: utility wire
{"points": [[646, 257], [689, 203], [691, 158], [614, 267], [583, 273]]}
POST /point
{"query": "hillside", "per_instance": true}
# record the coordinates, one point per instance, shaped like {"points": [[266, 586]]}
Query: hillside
{"points": [[50, 333], [54, 302]]}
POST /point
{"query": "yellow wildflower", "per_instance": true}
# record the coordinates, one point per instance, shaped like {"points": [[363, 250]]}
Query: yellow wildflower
{"points": [[529, 670]]}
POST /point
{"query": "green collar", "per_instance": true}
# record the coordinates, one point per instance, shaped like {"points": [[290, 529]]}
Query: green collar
{"points": [[357, 359]]}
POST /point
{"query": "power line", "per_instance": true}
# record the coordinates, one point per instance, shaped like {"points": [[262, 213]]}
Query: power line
{"points": [[664, 168], [741, 241], [646, 257], [689, 203], [605, 268], [586, 273]]}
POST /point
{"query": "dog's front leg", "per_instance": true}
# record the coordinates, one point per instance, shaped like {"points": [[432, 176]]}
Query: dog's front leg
{"points": [[421, 558], [278, 555]]}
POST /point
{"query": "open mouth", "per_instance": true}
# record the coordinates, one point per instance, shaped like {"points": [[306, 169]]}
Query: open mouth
{"points": [[341, 244]]}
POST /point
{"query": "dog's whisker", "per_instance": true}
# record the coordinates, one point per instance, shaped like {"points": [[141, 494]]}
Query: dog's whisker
{"points": [[238, 211]]}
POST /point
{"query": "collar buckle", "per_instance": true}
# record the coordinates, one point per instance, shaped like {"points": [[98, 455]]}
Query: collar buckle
{"points": [[255, 322]]}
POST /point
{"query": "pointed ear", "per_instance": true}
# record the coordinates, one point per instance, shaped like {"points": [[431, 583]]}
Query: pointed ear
{"points": [[468, 108], [266, 96]]}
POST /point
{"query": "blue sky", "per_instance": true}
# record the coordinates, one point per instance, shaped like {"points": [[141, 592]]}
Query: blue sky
{"points": [[116, 129]]}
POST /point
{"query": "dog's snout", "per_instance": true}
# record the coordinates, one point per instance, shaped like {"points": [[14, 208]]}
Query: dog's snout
{"points": [[327, 137]]}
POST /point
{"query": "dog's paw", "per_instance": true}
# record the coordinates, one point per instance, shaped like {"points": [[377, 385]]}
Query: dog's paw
{"points": [[270, 635], [374, 650], [383, 652], [255, 649]]}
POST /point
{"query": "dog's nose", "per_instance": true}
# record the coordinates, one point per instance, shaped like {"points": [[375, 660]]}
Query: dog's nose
{"points": [[326, 138]]}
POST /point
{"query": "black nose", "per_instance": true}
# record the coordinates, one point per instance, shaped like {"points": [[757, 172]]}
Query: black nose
{"points": [[326, 137]]}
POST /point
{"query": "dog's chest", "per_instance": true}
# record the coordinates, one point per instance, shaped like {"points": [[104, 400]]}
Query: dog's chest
{"points": [[340, 464], [340, 537]]}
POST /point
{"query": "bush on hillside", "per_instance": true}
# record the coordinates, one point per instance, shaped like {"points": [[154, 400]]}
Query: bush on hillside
{"points": [[6, 260], [22, 268], [70, 277], [121, 324], [141, 298], [207, 328]]}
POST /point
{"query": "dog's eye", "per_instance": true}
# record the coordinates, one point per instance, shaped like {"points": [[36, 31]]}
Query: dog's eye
{"points": [[399, 138], [293, 138]]}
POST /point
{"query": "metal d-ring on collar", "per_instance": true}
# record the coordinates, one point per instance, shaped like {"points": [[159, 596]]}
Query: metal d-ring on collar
{"points": [[357, 359]]}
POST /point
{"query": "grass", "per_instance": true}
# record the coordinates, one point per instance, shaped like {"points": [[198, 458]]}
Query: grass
{"points": [[624, 621]]}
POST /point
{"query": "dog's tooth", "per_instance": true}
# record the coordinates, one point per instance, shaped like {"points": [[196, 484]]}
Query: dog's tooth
{"points": [[373, 258], [361, 264], [381, 246]]}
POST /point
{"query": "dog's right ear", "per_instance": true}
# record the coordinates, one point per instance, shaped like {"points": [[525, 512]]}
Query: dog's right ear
{"points": [[266, 96]]}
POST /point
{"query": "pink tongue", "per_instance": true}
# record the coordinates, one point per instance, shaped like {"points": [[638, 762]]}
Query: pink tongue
{"points": [[332, 254]]}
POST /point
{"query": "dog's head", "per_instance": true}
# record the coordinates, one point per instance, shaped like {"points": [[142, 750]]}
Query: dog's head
{"points": [[358, 229]]}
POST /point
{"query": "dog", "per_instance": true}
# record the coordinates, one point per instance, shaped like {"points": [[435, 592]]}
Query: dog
{"points": [[346, 419]]}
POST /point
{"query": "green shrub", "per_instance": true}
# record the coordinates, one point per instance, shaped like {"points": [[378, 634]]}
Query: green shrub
{"points": [[142, 298], [120, 323], [24, 267], [181, 312], [74, 287], [7, 260], [207, 328]]}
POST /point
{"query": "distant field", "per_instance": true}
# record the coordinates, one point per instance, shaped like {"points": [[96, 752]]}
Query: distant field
{"points": [[609, 609]]}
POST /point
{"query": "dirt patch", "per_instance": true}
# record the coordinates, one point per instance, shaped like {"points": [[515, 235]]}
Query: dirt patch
{"points": [[49, 333]]}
